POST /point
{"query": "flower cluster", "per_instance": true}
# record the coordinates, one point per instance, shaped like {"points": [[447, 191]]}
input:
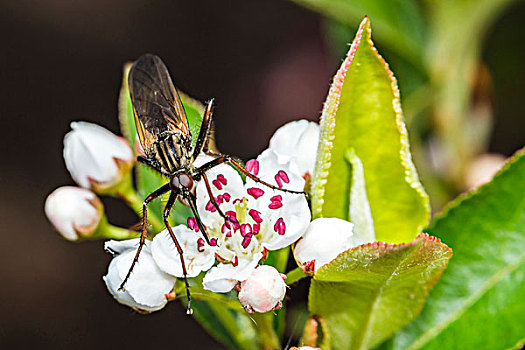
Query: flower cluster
{"points": [[252, 220]]}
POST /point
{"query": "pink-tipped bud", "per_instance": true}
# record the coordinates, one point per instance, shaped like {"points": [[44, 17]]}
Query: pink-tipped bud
{"points": [[96, 158], [263, 291], [75, 212]]}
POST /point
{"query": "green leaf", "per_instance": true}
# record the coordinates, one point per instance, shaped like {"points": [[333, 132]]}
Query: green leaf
{"points": [[399, 23], [370, 291], [149, 180], [480, 301], [362, 112]]}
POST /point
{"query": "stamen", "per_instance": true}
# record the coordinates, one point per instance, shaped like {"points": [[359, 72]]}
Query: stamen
{"points": [[192, 224], [246, 229], [200, 245], [255, 192], [256, 215], [213, 242], [253, 166], [246, 241], [276, 202], [281, 177], [210, 206], [232, 216], [280, 226], [226, 196], [219, 181], [235, 261], [256, 228]]}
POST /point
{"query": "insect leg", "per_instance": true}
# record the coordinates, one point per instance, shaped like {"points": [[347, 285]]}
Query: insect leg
{"points": [[212, 198], [190, 198], [202, 139], [159, 192], [228, 159], [165, 215]]}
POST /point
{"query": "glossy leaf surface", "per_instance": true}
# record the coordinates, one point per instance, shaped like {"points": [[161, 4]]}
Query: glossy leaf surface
{"points": [[369, 292]]}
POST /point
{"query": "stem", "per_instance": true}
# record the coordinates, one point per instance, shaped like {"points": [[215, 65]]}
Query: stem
{"points": [[295, 275], [127, 192], [106, 230], [119, 233], [269, 338], [281, 258]]}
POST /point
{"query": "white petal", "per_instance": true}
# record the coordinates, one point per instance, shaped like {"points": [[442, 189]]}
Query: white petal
{"points": [[118, 247], [223, 277], [296, 216], [90, 151], [286, 138], [147, 286], [297, 142], [324, 240], [70, 208], [263, 290], [167, 257], [306, 149]]}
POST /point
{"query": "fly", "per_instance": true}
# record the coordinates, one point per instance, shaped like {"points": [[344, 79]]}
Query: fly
{"points": [[164, 133]]}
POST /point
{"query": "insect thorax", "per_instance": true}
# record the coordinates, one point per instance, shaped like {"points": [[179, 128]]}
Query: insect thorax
{"points": [[172, 152]]}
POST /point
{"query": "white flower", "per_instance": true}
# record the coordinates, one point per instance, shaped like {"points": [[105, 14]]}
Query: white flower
{"points": [[260, 218], [322, 242], [95, 157], [263, 291], [296, 143], [75, 212], [147, 288]]}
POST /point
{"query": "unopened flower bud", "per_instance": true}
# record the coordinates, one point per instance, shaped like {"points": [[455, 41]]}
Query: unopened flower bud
{"points": [[263, 291], [75, 212], [323, 241], [96, 158]]}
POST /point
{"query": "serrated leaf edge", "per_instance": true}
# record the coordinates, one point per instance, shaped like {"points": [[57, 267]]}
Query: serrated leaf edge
{"points": [[327, 126]]}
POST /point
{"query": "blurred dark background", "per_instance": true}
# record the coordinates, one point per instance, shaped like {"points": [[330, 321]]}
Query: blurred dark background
{"points": [[265, 62]]}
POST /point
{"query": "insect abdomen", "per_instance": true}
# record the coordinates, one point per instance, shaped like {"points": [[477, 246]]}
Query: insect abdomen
{"points": [[171, 154]]}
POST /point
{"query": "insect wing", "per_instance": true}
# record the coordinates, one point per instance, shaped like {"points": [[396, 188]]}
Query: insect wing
{"points": [[156, 103]]}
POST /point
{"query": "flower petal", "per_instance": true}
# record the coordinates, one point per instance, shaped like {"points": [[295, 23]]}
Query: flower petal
{"points": [[147, 286], [167, 257], [297, 142], [223, 277]]}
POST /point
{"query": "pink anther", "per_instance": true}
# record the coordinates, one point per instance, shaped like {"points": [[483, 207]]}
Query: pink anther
{"points": [[253, 166], [255, 192], [276, 202], [280, 226]]}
